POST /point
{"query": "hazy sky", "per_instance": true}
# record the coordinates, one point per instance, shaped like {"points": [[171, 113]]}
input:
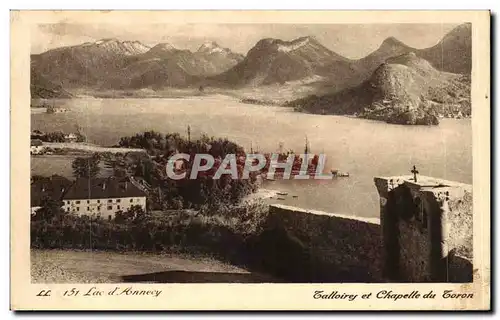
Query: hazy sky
{"points": [[350, 40]]}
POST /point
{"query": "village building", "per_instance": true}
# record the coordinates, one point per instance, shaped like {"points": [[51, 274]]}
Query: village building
{"points": [[53, 109], [71, 137], [36, 146], [47, 188], [60, 110], [103, 196], [37, 134]]}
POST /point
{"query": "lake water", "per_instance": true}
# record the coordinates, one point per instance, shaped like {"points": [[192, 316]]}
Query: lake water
{"points": [[361, 147]]}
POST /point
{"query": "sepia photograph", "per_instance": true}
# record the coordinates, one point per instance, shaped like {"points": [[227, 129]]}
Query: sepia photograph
{"points": [[275, 152]]}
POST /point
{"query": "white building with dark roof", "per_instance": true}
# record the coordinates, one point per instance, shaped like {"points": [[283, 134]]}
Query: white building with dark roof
{"points": [[71, 137], [36, 146], [103, 196]]}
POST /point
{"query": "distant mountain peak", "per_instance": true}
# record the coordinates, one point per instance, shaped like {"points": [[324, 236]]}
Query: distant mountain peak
{"points": [[454, 52], [464, 26], [462, 32], [211, 47], [163, 47], [294, 45], [209, 44], [276, 61], [106, 40], [308, 38], [117, 46], [286, 46], [393, 42]]}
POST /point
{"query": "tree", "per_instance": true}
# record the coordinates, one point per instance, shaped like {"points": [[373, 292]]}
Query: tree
{"points": [[86, 167], [133, 214], [49, 210], [35, 178], [57, 136], [80, 137], [50, 109]]}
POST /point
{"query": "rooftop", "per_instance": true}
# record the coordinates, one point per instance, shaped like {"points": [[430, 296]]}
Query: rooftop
{"points": [[103, 188], [48, 188]]}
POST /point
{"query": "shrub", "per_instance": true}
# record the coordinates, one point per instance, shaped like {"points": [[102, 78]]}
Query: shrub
{"points": [[221, 233]]}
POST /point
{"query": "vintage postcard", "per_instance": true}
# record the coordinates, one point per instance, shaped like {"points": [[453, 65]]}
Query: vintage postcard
{"points": [[246, 160]]}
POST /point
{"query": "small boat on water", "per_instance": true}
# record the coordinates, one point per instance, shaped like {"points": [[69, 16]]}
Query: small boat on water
{"points": [[280, 198], [336, 173], [295, 196], [282, 193], [50, 109]]}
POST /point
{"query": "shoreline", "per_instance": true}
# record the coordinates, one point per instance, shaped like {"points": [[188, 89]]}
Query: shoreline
{"points": [[242, 98], [89, 147], [261, 194]]}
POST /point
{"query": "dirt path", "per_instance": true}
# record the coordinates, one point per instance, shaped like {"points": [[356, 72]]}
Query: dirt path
{"points": [[61, 266]]}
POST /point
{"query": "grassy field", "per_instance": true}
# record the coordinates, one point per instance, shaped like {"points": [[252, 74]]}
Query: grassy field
{"points": [[47, 165], [65, 266]]}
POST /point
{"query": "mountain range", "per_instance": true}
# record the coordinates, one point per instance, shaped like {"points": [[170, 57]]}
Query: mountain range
{"points": [[114, 64], [402, 85], [405, 89], [127, 65], [452, 54]]}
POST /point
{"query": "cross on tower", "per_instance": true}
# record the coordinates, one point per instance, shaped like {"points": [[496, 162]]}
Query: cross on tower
{"points": [[415, 172]]}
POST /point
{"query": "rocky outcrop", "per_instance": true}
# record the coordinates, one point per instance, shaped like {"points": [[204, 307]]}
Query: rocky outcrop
{"points": [[403, 90]]}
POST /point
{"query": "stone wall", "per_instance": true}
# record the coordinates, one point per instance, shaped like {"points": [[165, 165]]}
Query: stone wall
{"points": [[312, 246], [426, 229]]}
